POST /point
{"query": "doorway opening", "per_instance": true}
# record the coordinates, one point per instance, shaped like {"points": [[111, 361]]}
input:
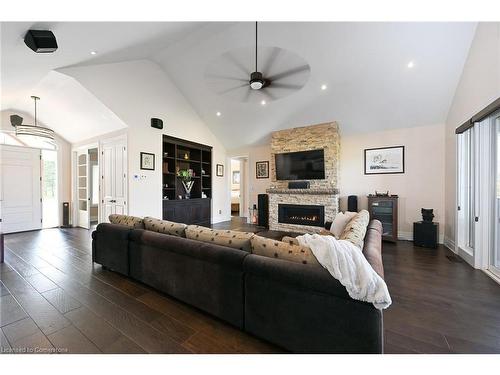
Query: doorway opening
{"points": [[239, 182], [86, 186], [50, 201]]}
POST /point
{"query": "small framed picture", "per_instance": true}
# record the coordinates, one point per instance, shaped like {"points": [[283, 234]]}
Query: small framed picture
{"points": [[385, 160], [262, 169], [147, 161], [219, 170]]}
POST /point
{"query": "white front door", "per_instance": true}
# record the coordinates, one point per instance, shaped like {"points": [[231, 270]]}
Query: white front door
{"points": [[82, 187], [20, 200], [494, 256], [114, 178]]}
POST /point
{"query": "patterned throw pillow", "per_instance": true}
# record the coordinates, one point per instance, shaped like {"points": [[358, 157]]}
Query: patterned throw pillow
{"points": [[340, 221], [355, 229], [283, 250], [164, 226], [229, 238], [129, 221]]}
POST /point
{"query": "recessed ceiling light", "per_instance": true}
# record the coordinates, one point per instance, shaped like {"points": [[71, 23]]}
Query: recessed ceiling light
{"points": [[411, 64], [218, 114], [323, 87], [93, 52], [263, 102]]}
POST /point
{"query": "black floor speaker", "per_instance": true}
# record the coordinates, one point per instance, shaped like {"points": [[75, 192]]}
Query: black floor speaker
{"points": [[65, 216], [352, 203], [263, 208]]}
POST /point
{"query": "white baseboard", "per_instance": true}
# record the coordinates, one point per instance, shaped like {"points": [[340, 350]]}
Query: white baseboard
{"points": [[450, 244], [220, 219]]}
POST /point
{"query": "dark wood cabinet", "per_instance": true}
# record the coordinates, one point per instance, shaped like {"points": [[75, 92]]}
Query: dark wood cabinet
{"points": [[385, 209], [179, 154]]}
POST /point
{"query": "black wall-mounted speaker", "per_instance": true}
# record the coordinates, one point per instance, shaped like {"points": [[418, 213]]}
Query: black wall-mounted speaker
{"points": [[156, 123], [16, 120], [299, 185], [263, 204], [352, 203], [41, 41]]}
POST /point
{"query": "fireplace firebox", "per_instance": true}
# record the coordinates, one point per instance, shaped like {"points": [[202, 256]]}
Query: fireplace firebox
{"points": [[301, 214]]}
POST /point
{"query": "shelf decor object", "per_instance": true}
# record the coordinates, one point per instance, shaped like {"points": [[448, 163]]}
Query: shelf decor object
{"points": [[147, 161], [385, 209], [186, 177], [186, 183], [385, 160]]}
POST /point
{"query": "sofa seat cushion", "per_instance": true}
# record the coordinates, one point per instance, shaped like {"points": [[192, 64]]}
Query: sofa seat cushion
{"points": [[282, 250], [229, 238], [355, 229], [127, 220], [165, 226]]}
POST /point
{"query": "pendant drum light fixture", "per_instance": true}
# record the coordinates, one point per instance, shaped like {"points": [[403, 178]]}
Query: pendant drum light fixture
{"points": [[35, 130]]}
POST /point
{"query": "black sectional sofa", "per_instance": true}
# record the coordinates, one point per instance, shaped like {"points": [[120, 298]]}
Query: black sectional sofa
{"points": [[301, 308]]}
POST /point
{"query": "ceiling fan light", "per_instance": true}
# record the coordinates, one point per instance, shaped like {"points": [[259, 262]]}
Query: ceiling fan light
{"points": [[256, 81]]}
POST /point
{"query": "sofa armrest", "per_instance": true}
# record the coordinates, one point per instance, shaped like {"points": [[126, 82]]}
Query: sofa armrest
{"points": [[372, 248], [110, 247]]}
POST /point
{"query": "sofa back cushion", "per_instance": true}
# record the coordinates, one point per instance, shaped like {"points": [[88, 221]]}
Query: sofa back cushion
{"points": [[283, 250], [129, 221], [229, 238], [355, 229], [165, 226]]}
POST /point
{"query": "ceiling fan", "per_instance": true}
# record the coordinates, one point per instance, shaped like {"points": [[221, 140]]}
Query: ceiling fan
{"points": [[269, 82]]}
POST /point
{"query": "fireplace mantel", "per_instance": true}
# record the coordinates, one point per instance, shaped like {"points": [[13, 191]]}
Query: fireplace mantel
{"points": [[303, 191]]}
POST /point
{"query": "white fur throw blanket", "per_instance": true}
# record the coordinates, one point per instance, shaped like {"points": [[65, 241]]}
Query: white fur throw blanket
{"points": [[347, 264]]}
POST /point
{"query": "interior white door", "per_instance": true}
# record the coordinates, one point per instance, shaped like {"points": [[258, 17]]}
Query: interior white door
{"points": [[20, 195], [82, 187], [114, 178]]}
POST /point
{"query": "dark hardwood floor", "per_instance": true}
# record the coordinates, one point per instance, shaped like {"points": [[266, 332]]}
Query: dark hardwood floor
{"points": [[53, 299]]}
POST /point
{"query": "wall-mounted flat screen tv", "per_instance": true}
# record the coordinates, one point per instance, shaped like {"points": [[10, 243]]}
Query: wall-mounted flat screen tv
{"points": [[302, 165]]}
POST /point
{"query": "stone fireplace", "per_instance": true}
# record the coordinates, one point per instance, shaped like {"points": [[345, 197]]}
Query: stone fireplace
{"points": [[305, 210], [301, 214]]}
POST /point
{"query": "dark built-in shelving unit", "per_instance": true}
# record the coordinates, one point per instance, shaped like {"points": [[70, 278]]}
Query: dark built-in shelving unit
{"points": [[179, 154]]}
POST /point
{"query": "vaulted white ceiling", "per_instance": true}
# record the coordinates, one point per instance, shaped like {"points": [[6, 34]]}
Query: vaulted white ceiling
{"points": [[364, 65]]}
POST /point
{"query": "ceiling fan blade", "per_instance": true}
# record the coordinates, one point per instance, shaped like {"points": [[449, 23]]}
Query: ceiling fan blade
{"points": [[267, 94], [247, 95], [236, 63], [289, 72], [269, 63], [217, 76], [289, 86], [232, 89]]}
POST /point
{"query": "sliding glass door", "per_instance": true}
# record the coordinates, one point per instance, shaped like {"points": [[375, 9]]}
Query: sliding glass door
{"points": [[467, 189], [494, 259]]}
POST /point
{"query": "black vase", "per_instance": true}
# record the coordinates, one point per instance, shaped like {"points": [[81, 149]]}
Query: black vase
{"points": [[427, 214]]}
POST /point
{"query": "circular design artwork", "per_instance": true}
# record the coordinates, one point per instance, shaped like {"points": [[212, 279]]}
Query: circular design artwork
{"points": [[283, 73]]}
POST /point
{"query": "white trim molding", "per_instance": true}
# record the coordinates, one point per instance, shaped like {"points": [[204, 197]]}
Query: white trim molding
{"points": [[408, 236], [450, 244]]}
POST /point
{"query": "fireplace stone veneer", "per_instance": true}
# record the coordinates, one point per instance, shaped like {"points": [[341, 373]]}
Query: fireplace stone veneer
{"points": [[322, 192]]}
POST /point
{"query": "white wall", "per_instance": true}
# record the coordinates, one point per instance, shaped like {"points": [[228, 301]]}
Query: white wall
{"points": [[422, 184], [63, 156], [479, 85], [255, 185], [136, 91]]}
